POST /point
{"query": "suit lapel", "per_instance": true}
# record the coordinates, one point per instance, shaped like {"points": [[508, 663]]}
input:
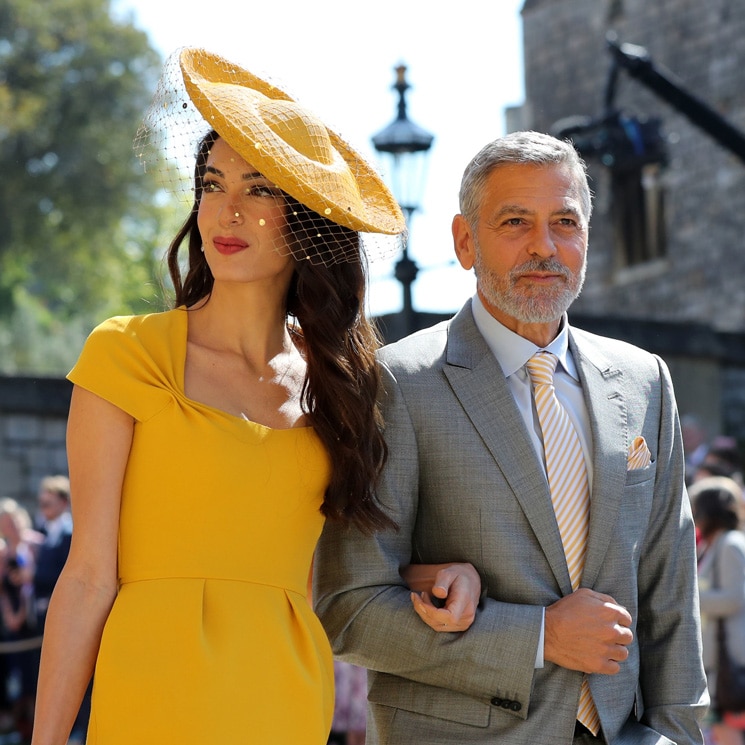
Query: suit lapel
{"points": [[602, 385], [481, 388]]}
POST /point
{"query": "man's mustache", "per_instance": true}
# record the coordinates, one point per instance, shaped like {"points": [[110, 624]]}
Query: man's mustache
{"points": [[551, 266]]}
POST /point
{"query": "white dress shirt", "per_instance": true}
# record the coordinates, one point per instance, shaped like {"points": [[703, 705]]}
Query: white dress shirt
{"points": [[512, 352], [57, 527]]}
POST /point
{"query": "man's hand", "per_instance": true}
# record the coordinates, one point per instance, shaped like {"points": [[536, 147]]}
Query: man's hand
{"points": [[587, 631], [459, 585]]}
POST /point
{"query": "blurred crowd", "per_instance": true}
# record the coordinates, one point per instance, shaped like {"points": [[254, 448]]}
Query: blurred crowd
{"points": [[709, 456], [714, 473], [33, 550]]}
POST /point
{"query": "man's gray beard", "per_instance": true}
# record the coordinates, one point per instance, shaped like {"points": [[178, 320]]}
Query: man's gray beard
{"points": [[529, 305]]}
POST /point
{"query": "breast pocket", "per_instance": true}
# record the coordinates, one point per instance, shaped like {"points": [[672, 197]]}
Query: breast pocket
{"points": [[636, 508], [641, 475]]}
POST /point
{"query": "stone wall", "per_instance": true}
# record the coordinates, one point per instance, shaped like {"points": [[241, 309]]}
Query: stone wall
{"points": [[33, 418], [702, 45]]}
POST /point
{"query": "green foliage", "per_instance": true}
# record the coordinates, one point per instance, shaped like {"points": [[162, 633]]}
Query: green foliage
{"points": [[33, 339], [82, 233]]}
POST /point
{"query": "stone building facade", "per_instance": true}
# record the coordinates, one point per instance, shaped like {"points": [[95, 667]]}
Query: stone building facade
{"points": [[33, 421], [666, 267]]}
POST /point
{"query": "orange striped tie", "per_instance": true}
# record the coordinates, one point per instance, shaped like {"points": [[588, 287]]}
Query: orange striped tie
{"points": [[570, 491]]}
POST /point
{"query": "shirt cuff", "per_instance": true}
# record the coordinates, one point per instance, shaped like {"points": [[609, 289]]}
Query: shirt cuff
{"points": [[541, 641]]}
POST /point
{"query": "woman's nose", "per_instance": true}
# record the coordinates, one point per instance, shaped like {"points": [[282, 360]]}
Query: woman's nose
{"points": [[231, 214]]}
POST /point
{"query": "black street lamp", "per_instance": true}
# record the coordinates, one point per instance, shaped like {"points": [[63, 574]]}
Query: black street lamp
{"points": [[405, 147]]}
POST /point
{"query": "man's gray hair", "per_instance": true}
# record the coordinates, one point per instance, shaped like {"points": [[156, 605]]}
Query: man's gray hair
{"points": [[522, 148]]}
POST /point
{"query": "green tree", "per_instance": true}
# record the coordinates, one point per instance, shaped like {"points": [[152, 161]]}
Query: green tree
{"points": [[81, 232]]}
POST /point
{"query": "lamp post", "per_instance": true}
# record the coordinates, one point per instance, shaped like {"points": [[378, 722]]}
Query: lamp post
{"points": [[405, 147]]}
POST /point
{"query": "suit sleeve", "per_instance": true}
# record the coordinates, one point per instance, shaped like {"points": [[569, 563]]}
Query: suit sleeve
{"points": [[366, 608], [671, 676]]}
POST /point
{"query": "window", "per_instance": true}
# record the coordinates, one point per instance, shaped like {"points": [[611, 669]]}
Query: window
{"points": [[638, 210]]}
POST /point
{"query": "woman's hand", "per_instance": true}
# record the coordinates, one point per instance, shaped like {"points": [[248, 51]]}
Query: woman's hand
{"points": [[457, 584]]}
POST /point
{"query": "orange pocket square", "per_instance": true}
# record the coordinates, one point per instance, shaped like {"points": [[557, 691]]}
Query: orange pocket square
{"points": [[639, 455]]}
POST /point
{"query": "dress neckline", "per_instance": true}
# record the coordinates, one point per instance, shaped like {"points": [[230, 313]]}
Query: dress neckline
{"points": [[183, 337]]}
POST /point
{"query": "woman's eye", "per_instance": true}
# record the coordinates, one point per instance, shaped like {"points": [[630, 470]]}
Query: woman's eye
{"points": [[210, 187], [262, 190]]}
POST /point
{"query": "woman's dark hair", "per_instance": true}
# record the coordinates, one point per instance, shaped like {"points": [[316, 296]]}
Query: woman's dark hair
{"points": [[339, 343], [716, 504], [198, 282]]}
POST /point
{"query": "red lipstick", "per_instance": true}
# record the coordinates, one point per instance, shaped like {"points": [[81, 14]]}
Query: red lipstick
{"points": [[229, 245]]}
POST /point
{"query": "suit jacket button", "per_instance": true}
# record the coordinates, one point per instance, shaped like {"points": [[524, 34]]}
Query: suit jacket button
{"points": [[516, 706], [507, 703], [496, 701]]}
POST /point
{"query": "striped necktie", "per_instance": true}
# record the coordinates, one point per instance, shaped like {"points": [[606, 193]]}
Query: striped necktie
{"points": [[570, 492]]}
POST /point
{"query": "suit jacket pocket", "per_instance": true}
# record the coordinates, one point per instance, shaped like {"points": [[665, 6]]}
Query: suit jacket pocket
{"points": [[636, 508], [441, 703], [640, 475]]}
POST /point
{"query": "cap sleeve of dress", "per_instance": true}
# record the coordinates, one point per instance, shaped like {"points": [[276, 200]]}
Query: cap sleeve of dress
{"points": [[128, 361]]}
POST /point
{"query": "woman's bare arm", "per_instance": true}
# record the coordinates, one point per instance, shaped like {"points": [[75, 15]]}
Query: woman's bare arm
{"points": [[99, 438]]}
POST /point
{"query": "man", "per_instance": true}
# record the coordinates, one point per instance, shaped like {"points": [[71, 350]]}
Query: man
{"points": [[695, 444], [56, 523], [588, 630]]}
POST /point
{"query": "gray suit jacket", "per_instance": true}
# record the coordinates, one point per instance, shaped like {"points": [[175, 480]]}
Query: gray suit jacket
{"points": [[464, 484]]}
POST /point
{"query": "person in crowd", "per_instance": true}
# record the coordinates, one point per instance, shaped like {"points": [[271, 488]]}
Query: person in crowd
{"points": [[207, 444], [695, 443], [20, 634], [718, 510], [724, 454], [722, 458], [55, 522], [53, 504], [21, 541], [550, 459]]}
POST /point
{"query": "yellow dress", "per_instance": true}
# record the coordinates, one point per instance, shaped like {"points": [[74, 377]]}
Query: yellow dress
{"points": [[211, 638]]}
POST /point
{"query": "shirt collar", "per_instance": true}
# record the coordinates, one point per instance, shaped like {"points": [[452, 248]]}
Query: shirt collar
{"points": [[57, 527], [511, 350]]}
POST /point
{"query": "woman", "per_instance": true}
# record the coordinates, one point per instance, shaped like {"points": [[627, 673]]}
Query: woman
{"points": [[20, 660], [717, 505], [211, 441]]}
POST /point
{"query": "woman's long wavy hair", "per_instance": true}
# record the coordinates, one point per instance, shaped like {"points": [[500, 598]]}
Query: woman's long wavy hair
{"points": [[339, 343]]}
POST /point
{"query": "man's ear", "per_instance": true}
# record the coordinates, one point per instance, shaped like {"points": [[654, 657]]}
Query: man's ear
{"points": [[463, 242]]}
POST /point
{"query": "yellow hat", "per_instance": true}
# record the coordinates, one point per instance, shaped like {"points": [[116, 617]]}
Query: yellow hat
{"points": [[289, 145]]}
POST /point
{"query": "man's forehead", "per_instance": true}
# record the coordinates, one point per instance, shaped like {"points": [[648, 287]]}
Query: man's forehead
{"points": [[531, 186]]}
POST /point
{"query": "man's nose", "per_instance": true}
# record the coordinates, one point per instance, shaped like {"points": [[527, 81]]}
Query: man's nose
{"points": [[542, 242]]}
